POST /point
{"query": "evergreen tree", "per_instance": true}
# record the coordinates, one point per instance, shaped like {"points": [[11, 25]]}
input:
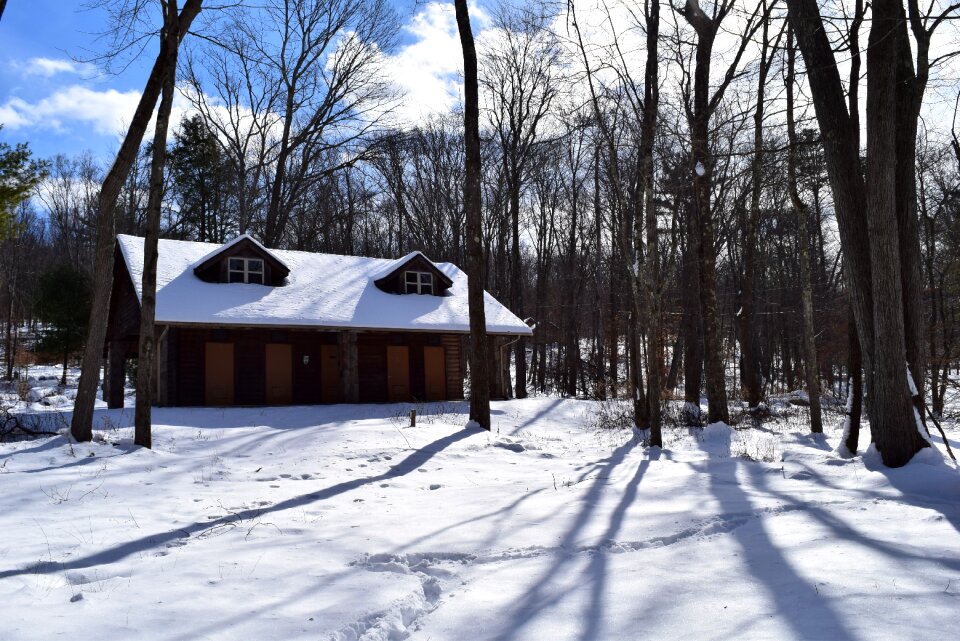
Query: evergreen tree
{"points": [[19, 175], [202, 182], [63, 306]]}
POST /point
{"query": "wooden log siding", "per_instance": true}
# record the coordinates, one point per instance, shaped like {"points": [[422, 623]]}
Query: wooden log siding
{"points": [[123, 321], [372, 367], [453, 355]]}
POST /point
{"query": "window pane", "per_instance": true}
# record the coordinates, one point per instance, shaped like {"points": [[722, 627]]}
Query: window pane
{"points": [[426, 279], [254, 265], [426, 288], [255, 278], [236, 263], [236, 277], [411, 277]]}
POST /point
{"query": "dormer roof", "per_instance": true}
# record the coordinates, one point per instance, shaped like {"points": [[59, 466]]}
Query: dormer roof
{"points": [[207, 267], [387, 278]]}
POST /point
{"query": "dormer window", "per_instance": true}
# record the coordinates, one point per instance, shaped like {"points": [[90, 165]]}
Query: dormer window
{"points": [[245, 270], [418, 282]]}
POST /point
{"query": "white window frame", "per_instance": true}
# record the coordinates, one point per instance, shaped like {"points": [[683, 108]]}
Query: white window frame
{"points": [[422, 282], [246, 271]]}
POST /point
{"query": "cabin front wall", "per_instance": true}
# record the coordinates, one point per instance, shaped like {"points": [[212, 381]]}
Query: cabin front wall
{"points": [[305, 367]]}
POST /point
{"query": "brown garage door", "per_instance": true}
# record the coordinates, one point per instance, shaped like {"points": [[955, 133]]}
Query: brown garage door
{"points": [[398, 373], [330, 380], [218, 373], [279, 374], [434, 373]]}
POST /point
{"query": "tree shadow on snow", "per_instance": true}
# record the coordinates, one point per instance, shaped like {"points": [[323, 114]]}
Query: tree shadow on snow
{"points": [[544, 592], [799, 605], [415, 460]]}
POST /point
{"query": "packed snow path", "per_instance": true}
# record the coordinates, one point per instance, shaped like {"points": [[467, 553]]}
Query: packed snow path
{"points": [[341, 523]]}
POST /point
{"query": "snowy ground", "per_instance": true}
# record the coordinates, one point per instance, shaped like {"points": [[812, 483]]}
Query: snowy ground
{"points": [[339, 522]]}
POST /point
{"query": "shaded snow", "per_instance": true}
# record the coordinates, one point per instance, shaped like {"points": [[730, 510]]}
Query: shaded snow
{"points": [[322, 523]]}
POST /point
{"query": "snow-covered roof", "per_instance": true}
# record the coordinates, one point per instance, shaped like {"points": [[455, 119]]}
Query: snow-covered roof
{"points": [[322, 290]]}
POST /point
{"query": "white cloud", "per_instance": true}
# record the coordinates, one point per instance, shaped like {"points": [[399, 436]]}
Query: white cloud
{"points": [[48, 67], [106, 112], [429, 70]]}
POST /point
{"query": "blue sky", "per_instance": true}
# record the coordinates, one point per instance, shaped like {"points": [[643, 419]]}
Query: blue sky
{"points": [[60, 105]]}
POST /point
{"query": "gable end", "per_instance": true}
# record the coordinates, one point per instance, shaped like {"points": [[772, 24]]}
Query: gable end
{"points": [[216, 268], [396, 282]]}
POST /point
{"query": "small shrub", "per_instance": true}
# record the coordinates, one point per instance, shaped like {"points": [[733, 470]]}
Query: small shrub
{"points": [[613, 414]]}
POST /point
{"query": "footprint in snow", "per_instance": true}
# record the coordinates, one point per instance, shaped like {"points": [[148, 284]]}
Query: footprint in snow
{"points": [[435, 486]]}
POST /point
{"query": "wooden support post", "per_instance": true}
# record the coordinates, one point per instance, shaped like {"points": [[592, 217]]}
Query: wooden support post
{"points": [[496, 371], [115, 374], [349, 366], [413, 418], [161, 394], [105, 383]]}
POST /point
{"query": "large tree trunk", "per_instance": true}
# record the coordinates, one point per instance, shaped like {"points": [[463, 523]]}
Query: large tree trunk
{"points": [[479, 365], [701, 169], [147, 360], [891, 410], [82, 422]]}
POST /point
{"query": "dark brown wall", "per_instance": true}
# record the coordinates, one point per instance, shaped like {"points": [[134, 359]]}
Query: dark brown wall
{"points": [[123, 321], [187, 353]]}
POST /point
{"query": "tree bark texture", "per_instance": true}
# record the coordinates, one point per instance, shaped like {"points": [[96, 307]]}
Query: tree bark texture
{"points": [[479, 365], [147, 360]]}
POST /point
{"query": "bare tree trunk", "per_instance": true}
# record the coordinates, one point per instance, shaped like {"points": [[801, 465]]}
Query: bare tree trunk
{"points": [[651, 104], [891, 410], [82, 421], [146, 363], [692, 333], [800, 210], [479, 366]]}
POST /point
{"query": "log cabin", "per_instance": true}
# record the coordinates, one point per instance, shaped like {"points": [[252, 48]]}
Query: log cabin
{"points": [[241, 324]]}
